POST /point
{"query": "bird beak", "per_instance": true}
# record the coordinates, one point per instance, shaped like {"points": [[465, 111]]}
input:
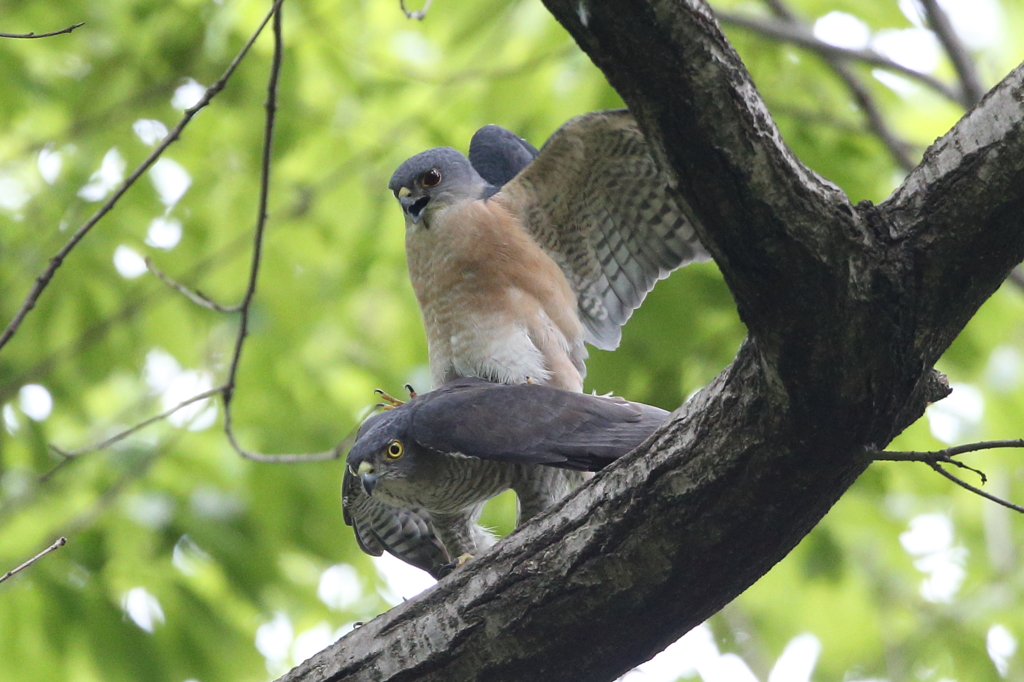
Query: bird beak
{"points": [[369, 482], [414, 207], [367, 477]]}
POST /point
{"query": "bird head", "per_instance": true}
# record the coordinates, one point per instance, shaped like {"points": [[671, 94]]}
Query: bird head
{"points": [[434, 180], [384, 458]]}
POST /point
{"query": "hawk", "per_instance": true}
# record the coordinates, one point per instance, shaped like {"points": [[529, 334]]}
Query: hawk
{"points": [[445, 453], [517, 258]]}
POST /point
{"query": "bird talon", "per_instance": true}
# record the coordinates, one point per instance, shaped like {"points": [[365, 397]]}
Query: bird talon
{"points": [[458, 563], [391, 402], [411, 390]]}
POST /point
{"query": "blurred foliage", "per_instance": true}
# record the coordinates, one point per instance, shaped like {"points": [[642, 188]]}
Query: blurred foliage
{"points": [[178, 550]]}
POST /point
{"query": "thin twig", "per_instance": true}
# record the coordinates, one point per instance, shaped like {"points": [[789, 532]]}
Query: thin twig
{"points": [[44, 279], [966, 71], [944, 455], [798, 35], [419, 14], [69, 29], [69, 455], [254, 270], [936, 458], [57, 545], [899, 149], [194, 295], [978, 491]]}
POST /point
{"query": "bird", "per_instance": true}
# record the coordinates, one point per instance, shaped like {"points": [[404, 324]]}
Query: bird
{"points": [[518, 258], [446, 452]]}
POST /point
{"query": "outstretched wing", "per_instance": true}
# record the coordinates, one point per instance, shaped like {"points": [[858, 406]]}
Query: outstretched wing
{"points": [[405, 533], [596, 202], [530, 424], [498, 154]]}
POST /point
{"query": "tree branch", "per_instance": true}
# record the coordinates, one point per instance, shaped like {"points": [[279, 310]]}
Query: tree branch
{"points": [[55, 546], [899, 149], [799, 35], [69, 29], [936, 458], [977, 491], [44, 279], [250, 291], [966, 71], [196, 296], [69, 455]]}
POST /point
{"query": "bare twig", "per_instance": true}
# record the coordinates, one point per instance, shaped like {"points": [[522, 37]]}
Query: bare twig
{"points": [[57, 545], [978, 491], [44, 279], [69, 29], [69, 455], [966, 70], [799, 35], [936, 458], [944, 455], [194, 295], [419, 14], [899, 149], [254, 270]]}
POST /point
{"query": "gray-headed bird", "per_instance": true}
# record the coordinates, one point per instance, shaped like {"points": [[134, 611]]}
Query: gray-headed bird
{"points": [[518, 260], [445, 453]]}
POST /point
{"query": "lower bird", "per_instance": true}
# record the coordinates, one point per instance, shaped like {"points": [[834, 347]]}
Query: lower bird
{"points": [[445, 453]]}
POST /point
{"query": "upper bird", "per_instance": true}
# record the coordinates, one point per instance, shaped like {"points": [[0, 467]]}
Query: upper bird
{"points": [[517, 257]]}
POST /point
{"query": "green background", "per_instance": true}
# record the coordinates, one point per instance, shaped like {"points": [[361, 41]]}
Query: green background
{"points": [[179, 552]]}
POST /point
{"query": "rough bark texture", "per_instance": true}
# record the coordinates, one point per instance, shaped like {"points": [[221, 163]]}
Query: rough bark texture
{"points": [[848, 308]]}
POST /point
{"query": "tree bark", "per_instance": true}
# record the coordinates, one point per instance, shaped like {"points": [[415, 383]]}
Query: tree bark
{"points": [[848, 307]]}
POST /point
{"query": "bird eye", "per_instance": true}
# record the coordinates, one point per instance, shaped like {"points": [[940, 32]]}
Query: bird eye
{"points": [[395, 450], [431, 178]]}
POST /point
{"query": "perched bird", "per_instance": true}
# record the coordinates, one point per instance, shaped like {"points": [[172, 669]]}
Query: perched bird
{"points": [[449, 451], [518, 259]]}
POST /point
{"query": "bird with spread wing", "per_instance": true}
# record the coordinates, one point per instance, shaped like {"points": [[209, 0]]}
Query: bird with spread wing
{"points": [[519, 257]]}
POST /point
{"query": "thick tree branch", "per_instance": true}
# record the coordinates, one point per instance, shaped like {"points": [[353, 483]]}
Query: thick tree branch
{"points": [[960, 216], [838, 361]]}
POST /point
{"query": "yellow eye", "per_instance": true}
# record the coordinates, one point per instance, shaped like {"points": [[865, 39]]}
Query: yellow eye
{"points": [[394, 450], [431, 178]]}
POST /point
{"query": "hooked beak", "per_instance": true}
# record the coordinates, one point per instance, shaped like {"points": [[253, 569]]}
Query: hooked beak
{"points": [[367, 477], [414, 207]]}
